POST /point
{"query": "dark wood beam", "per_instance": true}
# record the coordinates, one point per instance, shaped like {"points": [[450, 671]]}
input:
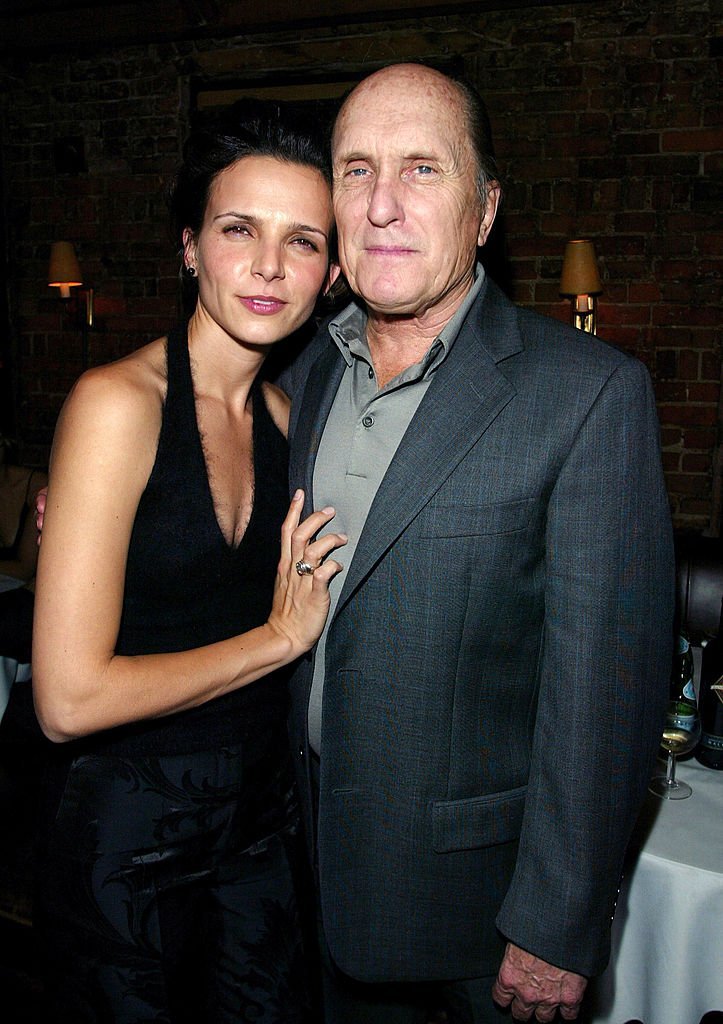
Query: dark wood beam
{"points": [[84, 25]]}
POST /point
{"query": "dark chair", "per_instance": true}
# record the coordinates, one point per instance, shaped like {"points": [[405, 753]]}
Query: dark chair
{"points": [[699, 577]]}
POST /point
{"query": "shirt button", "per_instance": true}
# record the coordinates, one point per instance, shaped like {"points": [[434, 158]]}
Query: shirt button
{"points": [[371, 373], [368, 421]]}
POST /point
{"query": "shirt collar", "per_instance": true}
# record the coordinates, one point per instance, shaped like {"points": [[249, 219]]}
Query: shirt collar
{"points": [[348, 329]]}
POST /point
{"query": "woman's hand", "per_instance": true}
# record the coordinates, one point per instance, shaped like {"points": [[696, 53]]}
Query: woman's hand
{"points": [[40, 499], [301, 600]]}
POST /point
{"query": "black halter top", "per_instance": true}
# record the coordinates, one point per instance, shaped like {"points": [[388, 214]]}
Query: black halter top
{"points": [[185, 586]]}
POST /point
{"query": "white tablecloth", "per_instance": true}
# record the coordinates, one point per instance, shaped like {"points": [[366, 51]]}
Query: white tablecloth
{"points": [[10, 672], [667, 959]]}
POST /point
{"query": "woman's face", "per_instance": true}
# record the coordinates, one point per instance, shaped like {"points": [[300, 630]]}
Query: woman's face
{"points": [[262, 254]]}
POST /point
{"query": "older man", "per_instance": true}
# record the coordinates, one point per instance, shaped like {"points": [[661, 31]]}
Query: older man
{"points": [[475, 731]]}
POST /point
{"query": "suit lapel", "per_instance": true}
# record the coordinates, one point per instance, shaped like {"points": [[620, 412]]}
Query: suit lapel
{"points": [[319, 392], [467, 394]]}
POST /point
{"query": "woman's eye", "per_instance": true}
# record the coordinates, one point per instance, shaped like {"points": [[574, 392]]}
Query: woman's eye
{"points": [[236, 229], [306, 243]]}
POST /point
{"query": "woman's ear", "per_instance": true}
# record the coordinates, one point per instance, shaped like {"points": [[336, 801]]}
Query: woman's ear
{"points": [[189, 248]]}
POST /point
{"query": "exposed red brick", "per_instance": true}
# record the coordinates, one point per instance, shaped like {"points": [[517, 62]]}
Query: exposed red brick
{"points": [[710, 366], [699, 439], [702, 140], [688, 415], [703, 392], [694, 512], [664, 314], [645, 292], [607, 123], [670, 437], [671, 391]]}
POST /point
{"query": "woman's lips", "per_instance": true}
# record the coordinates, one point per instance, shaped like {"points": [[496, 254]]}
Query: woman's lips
{"points": [[263, 305]]}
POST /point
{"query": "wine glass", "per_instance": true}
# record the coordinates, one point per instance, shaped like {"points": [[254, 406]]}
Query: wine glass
{"points": [[681, 732]]}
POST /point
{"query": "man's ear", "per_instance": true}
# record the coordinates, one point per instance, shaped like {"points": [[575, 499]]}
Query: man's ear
{"points": [[335, 289], [494, 194], [331, 276]]}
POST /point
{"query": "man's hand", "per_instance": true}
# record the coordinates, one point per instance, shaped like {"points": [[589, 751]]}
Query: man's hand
{"points": [[530, 986]]}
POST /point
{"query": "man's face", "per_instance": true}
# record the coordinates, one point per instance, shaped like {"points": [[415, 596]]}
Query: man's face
{"points": [[405, 195]]}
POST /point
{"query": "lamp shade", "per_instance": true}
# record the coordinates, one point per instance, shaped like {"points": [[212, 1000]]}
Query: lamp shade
{"points": [[63, 270], [579, 269]]}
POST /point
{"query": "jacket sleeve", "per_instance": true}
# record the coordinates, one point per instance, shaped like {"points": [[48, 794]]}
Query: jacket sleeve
{"points": [[603, 678]]}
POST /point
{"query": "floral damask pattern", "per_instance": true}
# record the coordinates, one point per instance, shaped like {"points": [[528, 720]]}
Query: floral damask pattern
{"points": [[183, 913]]}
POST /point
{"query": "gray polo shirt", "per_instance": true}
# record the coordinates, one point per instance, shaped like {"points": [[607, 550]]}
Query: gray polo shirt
{"points": [[362, 433]]}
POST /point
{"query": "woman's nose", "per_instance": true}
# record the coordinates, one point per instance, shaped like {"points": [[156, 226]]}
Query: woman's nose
{"points": [[268, 261]]}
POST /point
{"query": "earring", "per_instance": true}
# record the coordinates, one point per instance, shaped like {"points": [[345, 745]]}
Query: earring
{"points": [[190, 271]]}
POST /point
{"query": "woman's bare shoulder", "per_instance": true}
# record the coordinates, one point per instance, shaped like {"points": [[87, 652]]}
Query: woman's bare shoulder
{"points": [[143, 370], [122, 400], [134, 381]]}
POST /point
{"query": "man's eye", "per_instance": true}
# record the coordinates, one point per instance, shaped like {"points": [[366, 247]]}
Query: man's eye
{"points": [[424, 169], [357, 172]]}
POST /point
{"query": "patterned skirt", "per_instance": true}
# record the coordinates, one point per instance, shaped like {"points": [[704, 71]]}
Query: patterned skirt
{"points": [[165, 890]]}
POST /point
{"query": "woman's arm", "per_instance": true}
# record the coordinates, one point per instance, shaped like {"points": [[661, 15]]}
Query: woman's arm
{"points": [[103, 453]]}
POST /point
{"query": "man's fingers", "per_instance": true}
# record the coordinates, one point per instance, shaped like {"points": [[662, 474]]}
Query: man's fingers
{"points": [[500, 996], [521, 1011], [570, 1012], [524, 1010]]}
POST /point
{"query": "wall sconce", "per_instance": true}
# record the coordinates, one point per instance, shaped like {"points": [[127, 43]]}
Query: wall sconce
{"points": [[64, 273], [581, 281]]}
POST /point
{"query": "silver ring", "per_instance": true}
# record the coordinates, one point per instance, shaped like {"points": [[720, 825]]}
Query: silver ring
{"points": [[304, 569]]}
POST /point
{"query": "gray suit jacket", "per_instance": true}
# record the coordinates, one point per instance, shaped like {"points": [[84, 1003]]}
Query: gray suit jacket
{"points": [[498, 662]]}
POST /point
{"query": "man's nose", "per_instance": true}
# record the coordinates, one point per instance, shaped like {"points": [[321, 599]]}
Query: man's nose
{"points": [[385, 201]]}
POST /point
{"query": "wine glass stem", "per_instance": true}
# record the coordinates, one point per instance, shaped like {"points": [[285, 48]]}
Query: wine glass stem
{"points": [[670, 780]]}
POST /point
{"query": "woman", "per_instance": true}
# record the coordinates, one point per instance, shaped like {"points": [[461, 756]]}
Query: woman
{"points": [[164, 884]]}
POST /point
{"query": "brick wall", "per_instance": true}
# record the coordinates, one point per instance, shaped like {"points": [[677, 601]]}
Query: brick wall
{"points": [[607, 118]]}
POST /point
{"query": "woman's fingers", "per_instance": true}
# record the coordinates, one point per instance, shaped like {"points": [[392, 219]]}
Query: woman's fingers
{"points": [[315, 553], [40, 499], [300, 545], [295, 535], [301, 596], [291, 521]]}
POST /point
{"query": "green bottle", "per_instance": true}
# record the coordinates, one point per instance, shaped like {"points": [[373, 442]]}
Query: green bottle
{"points": [[710, 748], [682, 689]]}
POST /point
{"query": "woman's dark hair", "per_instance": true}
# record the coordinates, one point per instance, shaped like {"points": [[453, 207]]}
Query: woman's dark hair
{"points": [[249, 128]]}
